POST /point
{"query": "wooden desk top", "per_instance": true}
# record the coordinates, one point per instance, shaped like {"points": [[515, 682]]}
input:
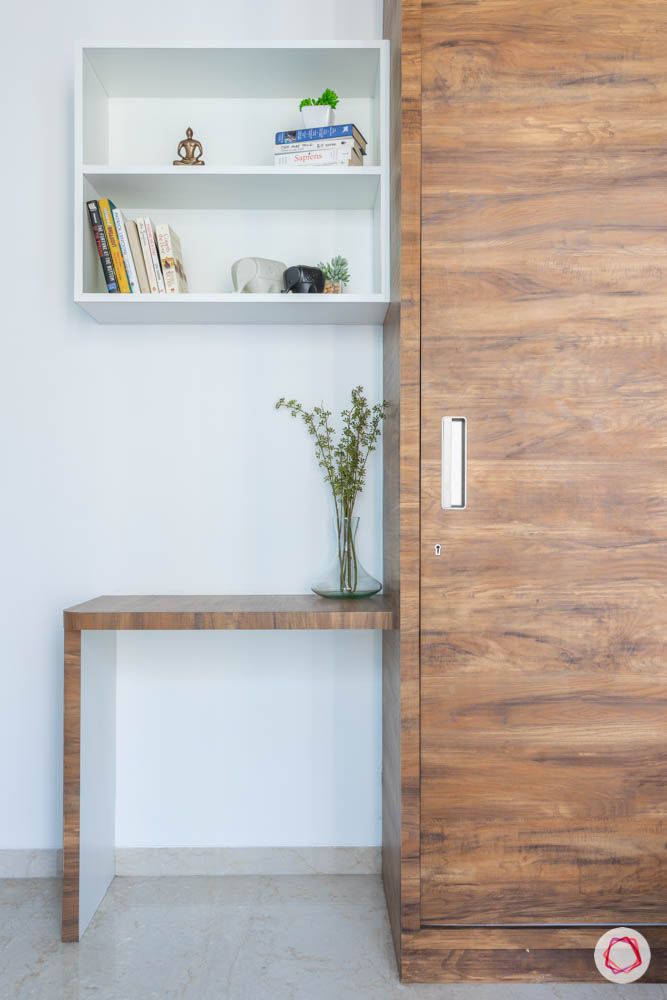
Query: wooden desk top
{"points": [[293, 611]]}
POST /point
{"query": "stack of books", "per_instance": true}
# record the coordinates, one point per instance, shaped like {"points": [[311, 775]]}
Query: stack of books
{"points": [[329, 146], [135, 255]]}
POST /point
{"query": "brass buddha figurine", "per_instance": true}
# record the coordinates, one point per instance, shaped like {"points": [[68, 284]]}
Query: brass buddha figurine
{"points": [[192, 148]]}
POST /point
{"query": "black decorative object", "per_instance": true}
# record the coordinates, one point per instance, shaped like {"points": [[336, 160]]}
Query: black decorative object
{"points": [[301, 278]]}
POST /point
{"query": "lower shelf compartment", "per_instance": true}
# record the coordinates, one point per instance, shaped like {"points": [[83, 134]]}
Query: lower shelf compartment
{"points": [[349, 310]]}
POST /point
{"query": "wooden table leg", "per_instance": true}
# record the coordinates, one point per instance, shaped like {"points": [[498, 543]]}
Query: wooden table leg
{"points": [[89, 776], [71, 774]]}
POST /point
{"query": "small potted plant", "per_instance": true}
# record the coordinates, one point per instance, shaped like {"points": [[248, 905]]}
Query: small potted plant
{"points": [[336, 275], [319, 111]]}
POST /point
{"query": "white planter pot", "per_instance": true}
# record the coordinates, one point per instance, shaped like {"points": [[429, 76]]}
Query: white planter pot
{"points": [[317, 115]]}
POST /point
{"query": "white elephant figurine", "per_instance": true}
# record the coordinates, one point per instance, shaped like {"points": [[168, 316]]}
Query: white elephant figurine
{"points": [[257, 274]]}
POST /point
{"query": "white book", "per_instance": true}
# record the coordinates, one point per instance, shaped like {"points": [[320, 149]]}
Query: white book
{"points": [[155, 257], [137, 254], [146, 251], [315, 144], [319, 158], [124, 245], [171, 258]]}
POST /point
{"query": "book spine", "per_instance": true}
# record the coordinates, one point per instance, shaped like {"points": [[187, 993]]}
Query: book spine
{"points": [[321, 158], [155, 259], [137, 255], [170, 279], [323, 132], [166, 251], [102, 246], [146, 251], [124, 245], [309, 147], [114, 246]]}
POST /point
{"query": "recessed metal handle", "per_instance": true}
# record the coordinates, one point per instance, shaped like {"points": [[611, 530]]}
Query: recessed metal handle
{"points": [[454, 463]]}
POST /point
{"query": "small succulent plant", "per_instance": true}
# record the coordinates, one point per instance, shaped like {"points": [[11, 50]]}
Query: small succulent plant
{"points": [[336, 270], [326, 97]]}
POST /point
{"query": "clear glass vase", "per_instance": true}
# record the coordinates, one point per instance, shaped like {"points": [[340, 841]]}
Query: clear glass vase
{"points": [[347, 577]]}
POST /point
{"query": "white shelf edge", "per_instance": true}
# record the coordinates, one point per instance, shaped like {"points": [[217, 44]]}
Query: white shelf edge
{"points": [[313, 301], [234, 171], [231, 43], [223, 309]]}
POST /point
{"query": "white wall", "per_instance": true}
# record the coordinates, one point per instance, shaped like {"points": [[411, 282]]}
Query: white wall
{"points": [[150, 460]]}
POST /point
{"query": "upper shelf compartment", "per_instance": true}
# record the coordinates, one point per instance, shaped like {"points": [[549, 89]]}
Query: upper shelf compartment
{"points": [[138, 101]]}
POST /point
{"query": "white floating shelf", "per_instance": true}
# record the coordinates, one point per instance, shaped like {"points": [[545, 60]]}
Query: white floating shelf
{"points": [[133, 104], [348, 310], [237, 187]]}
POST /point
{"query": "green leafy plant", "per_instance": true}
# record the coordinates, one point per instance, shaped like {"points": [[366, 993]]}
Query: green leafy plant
{"points": [[326, 97], [344, 460], [337, 270]]}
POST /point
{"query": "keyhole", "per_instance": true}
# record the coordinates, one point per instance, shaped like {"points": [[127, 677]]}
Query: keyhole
{"points": [[438, 549]]}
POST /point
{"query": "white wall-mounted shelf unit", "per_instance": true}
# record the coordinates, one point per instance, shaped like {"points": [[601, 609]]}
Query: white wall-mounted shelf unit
{"points": [[133, 104]]}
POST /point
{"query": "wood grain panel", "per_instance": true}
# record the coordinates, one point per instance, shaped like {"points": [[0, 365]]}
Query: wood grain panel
{"points": [[612, 244], [401, 365], [479, 955], [71, 785], [295, 611], [544, 322]]}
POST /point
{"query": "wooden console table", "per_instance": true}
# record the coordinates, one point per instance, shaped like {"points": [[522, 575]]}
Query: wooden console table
{"points": [[89, 767]]}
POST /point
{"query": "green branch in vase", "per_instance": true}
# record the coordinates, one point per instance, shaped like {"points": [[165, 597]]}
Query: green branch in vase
{"points": [[344, 460]]}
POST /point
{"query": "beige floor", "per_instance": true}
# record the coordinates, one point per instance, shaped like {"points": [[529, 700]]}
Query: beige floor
{"points": [[233, 938]]}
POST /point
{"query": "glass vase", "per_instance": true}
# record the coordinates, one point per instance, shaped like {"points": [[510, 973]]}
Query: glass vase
{"points": [[347, 577]]}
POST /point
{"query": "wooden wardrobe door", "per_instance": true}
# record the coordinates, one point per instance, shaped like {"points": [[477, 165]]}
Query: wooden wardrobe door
{"points": [[544, 322]]}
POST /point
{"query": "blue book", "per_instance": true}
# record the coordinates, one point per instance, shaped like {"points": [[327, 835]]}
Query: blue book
{"points": [[324, 132]]}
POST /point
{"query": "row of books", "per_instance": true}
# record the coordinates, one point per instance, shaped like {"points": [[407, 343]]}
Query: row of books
{"points": [[135, 255], [328, 146]]}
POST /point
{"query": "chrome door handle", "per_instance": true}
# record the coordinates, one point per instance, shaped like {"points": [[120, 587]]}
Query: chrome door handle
{"points": [[454, 463]]}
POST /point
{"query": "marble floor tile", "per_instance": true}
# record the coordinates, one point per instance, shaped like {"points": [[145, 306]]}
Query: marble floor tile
{"points": [[227, 938]]}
